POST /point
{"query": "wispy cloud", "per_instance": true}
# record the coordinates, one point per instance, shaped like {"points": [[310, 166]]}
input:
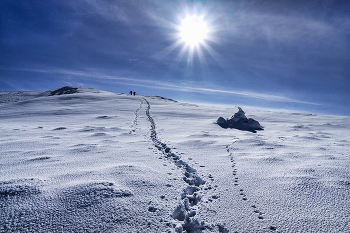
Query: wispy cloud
{"points": [[156, 84], [122, 11], [300, 31]]}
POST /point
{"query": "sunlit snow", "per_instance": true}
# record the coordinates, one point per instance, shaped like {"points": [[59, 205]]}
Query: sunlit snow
{"points": [[84, 160]]}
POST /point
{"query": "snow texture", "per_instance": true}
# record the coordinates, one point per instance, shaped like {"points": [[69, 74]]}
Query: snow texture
{"points": [[84, 160]]}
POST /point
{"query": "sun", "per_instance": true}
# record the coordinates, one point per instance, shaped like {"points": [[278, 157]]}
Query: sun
{"points": [[193, 30], [193, 36]]}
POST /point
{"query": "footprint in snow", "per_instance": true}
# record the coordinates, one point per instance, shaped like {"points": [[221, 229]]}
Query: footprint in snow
{"points": [[60, 128], [39, 159], [241, 193], [152, 209], [102, 117]]}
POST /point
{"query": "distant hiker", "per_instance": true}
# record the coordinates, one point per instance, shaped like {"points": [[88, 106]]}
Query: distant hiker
{"points": [[134, 93], [130, 92]]}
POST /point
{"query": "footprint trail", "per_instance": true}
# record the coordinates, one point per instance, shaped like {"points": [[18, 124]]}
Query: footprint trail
{"points": [[255, 209], [186, 210], [135, 122]]}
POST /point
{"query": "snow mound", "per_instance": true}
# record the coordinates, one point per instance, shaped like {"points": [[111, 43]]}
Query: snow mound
{"points": [[20, 187], [240, 121], [85, 195]]}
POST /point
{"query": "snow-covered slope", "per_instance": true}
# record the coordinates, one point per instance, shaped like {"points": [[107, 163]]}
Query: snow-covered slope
{"points": [[83, 160], [15, 96]]}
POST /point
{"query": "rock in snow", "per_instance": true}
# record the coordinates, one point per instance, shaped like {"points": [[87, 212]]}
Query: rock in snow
{"points": [[82, 160], [64, 90], [240, 121]]}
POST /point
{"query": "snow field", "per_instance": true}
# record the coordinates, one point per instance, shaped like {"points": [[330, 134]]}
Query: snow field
{"points": [[85, 160]]}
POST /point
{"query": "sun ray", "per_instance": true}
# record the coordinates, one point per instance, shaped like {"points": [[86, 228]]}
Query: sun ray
{"points": [[201, 55], [193, 32], [217, 57], [192, 40], [181, 53]]}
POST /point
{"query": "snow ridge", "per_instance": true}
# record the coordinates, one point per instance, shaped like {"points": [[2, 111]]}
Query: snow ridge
{"points": [[185, 211]]}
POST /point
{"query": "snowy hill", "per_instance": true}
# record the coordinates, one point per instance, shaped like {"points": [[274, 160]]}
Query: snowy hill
{"points": [[83, 160]]}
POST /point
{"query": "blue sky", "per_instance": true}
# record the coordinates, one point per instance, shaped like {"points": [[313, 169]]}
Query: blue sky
{"points": [[292, 55]]}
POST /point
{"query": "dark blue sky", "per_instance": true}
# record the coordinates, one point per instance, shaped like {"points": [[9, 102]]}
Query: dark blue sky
{"points": [[291, 54]]}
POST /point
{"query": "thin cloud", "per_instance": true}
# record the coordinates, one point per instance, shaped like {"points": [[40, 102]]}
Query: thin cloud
{"points": [[166, 85], [122, 11], [292, 31]]}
